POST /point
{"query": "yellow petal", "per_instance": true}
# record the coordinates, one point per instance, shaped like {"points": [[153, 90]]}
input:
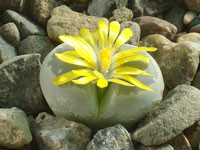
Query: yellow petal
{"points": [[113, 32], [85, 33], [64, 78], [73, 60], [83, 72], [124, 36], [84, 80], [79, 47], [122, 61], [71, 53], [102, 83], [129, 71], [98, 74], [134, 81], [95, 34], [118, 81], [103, 34]]}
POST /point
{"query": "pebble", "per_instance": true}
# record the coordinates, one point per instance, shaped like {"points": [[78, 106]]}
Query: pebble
{"points": [[40, 10], [188, 17], [122, 14], [180, 143], [102, 8], [7, 51], [36, 44], [194, 22], [10, 32], [178, 111], [152, 25], [162, 147], [65, 21], [178, 62], [192, 37], [111, 138], [195, 28], [134, 40], [19, 84], [14, 128], [25, 26], [193, 5], [52, 133], [17, 5]]}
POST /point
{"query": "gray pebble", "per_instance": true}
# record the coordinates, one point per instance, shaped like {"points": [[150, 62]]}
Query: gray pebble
{"points": [[122, 14]]}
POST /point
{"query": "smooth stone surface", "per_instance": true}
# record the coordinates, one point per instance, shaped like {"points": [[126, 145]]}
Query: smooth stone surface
{"points": [[17, 5], [19, 84], [14, 128], [193, 5], [117, 106], [65, 21], [178, 62], [122, 14], [25, 26], [181, 143], [178, 111], [40, 10], [188, 17], [10, 32], [7, 51], [134, 40], [36, 44], [52, 133], [102, 8], [152, 25], [192, 37], [111, 138], [162, 147], [195, 28]]}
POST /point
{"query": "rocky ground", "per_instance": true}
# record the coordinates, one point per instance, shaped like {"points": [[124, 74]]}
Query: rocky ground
{"points": [[29, 30]]}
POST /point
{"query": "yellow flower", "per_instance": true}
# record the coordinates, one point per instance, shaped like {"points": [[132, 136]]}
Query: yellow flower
{"points": [[102, 61]]}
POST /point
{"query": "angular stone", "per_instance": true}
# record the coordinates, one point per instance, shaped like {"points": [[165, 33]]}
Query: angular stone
{"points": [[188, 17], [19, 84], [17, 5], [111, 138], [40, 10], [193, 5], [162, 147], [36, 44], [14, 128], [180, 143], [152, 25], [178, 62], [26, 26], [10, 32], [134, 40], [52, 133], [7, 51], [195, 28], [65, 21], [178, 111], [122, 14], [102, 8]]}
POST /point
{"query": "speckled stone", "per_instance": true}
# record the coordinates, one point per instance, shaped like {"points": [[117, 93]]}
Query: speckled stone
{"points": [[122, 14]]}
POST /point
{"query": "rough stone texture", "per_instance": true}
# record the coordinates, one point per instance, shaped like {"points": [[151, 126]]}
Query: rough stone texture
{"points": [[175, 16], [10, 32], [192, 37], [26, 26], [102, 8], [36, 44], [180, 143], [122, 14], [151, 25], [196, 81], [162, 147], [7, 51], [178, 62], [17, 5], [188, 17], [54, 133], [134, 40], [195, 28], [65, 21], [193, 5], [111, 138], [178, 111], [40, 10], [14, 128], [19, 84]]}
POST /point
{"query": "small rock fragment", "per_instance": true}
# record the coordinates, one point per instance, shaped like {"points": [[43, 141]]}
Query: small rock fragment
{"points": [[122, 14], [188, 17], [52, 133], [192, 37], [178, 111], [111, 138]]}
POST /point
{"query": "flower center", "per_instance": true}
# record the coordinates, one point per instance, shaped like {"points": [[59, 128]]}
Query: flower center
{"points": [[105, 58]]}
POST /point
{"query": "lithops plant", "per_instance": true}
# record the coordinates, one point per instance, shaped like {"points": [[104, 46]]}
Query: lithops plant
{"points": [[97, 79]]}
